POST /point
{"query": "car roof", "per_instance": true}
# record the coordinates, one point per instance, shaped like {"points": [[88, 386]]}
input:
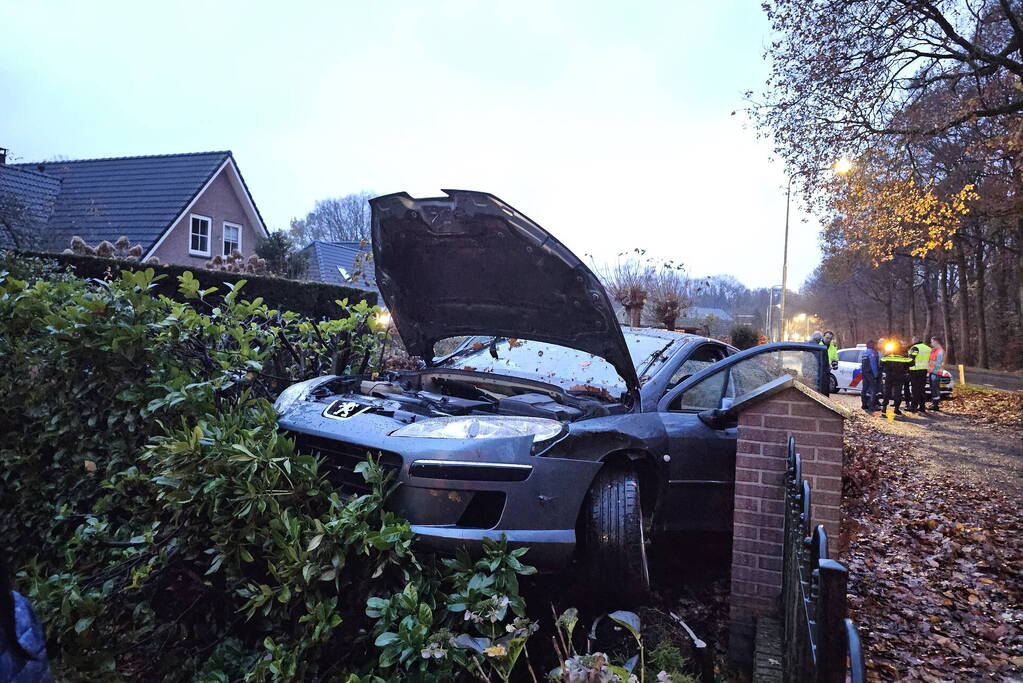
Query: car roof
{"points": [[662, 333]]}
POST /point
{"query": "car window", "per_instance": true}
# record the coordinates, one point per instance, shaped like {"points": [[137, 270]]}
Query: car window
{"points": [[560, 365], [850, 355], [747, 375], [755, 371], [700, 358], [703, 395]]}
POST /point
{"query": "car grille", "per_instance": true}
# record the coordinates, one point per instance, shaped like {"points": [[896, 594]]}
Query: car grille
{"points": [[340, 459]]}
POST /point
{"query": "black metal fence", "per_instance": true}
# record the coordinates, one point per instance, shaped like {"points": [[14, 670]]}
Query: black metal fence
{"points": [[821, 644]]}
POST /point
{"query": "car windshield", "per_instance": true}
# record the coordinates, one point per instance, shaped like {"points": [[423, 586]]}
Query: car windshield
{"points": [[567, 368]]}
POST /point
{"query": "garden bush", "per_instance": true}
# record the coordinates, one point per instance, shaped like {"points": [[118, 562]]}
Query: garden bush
{"points": [[307, 298], [165, 530], [744, 337]]}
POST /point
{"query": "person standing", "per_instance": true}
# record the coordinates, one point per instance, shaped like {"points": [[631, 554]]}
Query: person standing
{"points": [[935, 365], [870, 371], [918, 373], [828, 340], [896, 373]]}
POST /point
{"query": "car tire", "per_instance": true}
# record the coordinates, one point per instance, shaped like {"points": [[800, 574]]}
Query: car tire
{"points": [[614, 545], [832, 384]]}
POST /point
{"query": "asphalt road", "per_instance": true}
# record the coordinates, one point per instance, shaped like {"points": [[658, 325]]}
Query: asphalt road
{"points": [[1009, 381]]}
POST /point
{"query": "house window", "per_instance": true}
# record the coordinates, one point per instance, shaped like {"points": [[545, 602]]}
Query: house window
{"points": [[199, 236], [232, 238]]}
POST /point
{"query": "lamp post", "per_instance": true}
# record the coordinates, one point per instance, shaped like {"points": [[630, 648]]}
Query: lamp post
{"points": [[841, 167]]}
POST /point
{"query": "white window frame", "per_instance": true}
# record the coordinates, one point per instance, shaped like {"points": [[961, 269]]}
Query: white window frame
{"points": [[223, 236], [209, 235]]}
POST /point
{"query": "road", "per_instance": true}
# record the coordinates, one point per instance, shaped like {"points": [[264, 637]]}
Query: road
{"points": [[1009, 381], [955, 444]]}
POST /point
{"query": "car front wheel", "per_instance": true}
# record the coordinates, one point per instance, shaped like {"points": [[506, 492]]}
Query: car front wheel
{"points": [[833, 385], [614, 546]]}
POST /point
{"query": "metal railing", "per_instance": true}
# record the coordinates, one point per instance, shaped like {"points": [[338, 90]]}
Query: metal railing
{"points": [[821, 643]]}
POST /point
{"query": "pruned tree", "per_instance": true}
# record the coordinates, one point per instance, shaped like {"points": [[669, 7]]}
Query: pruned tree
{"points": [[670, 294], [628, 282], [336, 219]]}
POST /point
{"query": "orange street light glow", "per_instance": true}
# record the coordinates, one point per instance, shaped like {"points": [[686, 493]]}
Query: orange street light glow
{"points": [[843, 166], [889, 347]]}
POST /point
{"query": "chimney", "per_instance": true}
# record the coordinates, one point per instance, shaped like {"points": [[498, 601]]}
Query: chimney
{"points": [[3, 155]]}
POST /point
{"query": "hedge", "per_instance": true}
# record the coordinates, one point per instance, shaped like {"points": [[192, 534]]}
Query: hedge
{"points": [[311, 299]]}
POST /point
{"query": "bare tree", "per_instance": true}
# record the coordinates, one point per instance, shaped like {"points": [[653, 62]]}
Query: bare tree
{"points": [[336, 219], [628, 282], [670, 294]]}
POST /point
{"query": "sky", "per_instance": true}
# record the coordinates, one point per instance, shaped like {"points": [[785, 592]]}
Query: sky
{"points": [[610, 124]]}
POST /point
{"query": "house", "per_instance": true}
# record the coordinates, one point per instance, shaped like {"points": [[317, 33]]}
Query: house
{"points": [[341, 263], [701, 312], [181, 208]]}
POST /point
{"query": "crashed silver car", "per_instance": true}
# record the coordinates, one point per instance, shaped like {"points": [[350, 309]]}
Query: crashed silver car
{"points": [[548, 423]]}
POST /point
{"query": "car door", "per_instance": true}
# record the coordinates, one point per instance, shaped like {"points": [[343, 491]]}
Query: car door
{"points": [[701, 451], [848, 371]]}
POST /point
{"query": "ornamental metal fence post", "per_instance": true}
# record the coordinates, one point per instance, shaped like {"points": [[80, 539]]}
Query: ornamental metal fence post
{"points": [[831, 628]]}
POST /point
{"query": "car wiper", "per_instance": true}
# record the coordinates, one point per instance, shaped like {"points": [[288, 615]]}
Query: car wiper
{"points": [[653, 359], [471, 348]]}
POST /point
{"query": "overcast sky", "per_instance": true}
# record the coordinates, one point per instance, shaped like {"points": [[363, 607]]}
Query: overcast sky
{"points": [[608, 123]]}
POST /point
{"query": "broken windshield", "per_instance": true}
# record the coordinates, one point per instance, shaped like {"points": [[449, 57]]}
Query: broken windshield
{"points": [[570, 369]]}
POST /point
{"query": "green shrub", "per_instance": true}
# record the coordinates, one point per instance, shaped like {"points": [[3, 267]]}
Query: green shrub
{"points": [[165, 530], [307, 298], [744, 337]]}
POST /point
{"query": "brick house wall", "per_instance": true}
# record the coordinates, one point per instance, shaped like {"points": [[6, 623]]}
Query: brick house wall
{"points": [[765, 426], [221, 201]]}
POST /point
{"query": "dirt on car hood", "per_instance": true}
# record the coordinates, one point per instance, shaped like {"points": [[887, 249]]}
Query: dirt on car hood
{"points": [[470, 264]]}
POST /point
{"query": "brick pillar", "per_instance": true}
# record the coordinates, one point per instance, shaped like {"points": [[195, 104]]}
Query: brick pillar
{"points": [[758, 518]]}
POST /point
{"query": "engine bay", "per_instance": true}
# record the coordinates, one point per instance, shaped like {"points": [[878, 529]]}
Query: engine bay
{"points": [[410, 395]]}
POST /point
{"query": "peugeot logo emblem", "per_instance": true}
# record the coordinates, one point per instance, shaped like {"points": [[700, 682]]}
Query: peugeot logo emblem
{"points": [[342, 410]]}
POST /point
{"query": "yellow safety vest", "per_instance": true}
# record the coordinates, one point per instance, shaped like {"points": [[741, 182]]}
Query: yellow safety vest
{"points": [[921, 354]]}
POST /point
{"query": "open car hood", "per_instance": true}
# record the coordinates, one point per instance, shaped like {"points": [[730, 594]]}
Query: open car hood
{"points": [[469, 264]]}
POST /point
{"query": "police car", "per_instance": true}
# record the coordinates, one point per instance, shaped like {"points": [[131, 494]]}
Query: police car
{"points": [[849, 378]]}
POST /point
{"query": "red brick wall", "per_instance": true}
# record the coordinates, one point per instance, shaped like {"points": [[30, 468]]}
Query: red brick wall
{"points": [[758, 521]]}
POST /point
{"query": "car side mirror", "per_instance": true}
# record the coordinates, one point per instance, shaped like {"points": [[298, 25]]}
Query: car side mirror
{"points": [[717, 419]]}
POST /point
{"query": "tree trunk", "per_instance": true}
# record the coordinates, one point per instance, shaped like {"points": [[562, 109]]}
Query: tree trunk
{"points": [[911, 298], [889, 317], [966, 352], [946, 316], [928, 303], [1004, 316], [982, 346]]}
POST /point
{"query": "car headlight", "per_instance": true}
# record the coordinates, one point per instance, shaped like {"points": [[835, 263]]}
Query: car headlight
{"points": [[298, 392], [470, 427]]}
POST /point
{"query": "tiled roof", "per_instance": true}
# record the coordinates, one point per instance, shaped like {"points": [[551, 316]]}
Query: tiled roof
{"points": [[325, 259], [703, 312], [139, 197], [35, 191]]}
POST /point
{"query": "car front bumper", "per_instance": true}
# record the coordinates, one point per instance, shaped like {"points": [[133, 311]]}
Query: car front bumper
{"points": [[451, 489]]}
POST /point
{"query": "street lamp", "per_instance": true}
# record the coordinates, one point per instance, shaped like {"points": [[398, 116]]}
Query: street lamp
{"points": [[841, 167]]}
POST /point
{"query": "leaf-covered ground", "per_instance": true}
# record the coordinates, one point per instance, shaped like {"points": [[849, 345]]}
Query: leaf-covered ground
{"points": [[988, 406], [935, 560]]}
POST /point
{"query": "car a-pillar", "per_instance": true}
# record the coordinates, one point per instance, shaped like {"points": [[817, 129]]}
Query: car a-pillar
{"points": [[767, 418]]}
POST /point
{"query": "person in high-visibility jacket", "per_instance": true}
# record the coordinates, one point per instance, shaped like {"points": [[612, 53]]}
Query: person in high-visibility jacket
{"points": [[921, 355], [934, 368], [828, 340], [895, 367]]}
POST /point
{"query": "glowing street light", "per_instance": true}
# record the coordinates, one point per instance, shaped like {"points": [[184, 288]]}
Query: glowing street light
{"points": [[842, 166]]}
